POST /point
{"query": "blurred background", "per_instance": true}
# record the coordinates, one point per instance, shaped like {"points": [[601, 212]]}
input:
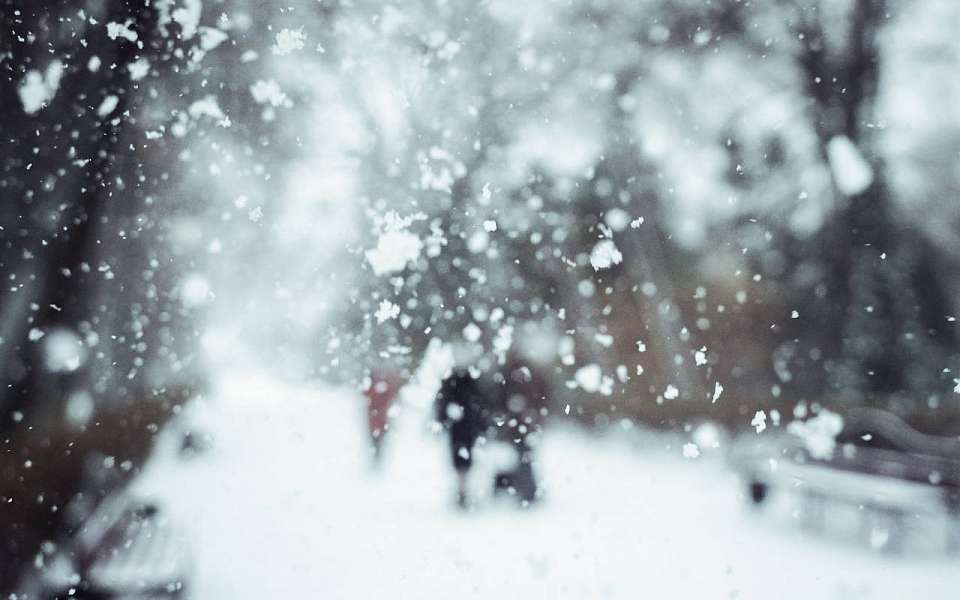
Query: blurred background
{"points": [[725, 235]]}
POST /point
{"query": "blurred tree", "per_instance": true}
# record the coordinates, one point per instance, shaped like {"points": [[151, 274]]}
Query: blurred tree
{"points": [[96, 338], [887, 307]]}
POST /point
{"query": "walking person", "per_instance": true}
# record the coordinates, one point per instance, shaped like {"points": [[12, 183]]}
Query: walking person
{"points": [[385, 384], [503, 405], [520, 407], [463, 409]]}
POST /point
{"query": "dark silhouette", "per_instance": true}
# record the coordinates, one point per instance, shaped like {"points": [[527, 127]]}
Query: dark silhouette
{"points": [[506, 404], [522, 405], [465, 411]]}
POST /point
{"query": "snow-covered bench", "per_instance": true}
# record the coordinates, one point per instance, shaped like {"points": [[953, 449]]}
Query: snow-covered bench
{"points": [[886, 482], [127, 548]]}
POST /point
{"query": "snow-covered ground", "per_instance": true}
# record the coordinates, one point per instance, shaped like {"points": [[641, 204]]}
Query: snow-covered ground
{"points": [[285, 505]]}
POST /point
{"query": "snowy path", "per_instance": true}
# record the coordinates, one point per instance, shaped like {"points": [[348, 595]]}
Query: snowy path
{"points": [[283, 506]]}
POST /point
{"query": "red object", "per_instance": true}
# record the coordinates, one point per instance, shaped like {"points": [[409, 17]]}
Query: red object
{"points": [[384, 386]]}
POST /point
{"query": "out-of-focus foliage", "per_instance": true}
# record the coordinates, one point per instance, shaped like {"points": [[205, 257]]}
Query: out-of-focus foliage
{"points": [[101, 102], [736, 156]]}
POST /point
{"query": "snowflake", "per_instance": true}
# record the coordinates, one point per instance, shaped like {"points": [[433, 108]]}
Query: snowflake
{"points": [[289, 40], [387, 310], [604, 255], [759, 421], [717, 390], [700, 356]]}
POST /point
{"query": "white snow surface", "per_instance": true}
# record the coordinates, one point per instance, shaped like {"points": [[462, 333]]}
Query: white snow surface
{"points": [[285, 505]]}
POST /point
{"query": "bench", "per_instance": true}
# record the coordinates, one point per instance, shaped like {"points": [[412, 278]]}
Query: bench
{"points": [[127, 548], [888, 481]]}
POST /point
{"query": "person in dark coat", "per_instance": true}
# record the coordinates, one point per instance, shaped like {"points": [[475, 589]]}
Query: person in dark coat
{"points": [[520, 404], [464, 409], [504, 404]]}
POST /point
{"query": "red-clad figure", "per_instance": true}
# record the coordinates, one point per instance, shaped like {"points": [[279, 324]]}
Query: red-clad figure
{"points": [[385, 384]]}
